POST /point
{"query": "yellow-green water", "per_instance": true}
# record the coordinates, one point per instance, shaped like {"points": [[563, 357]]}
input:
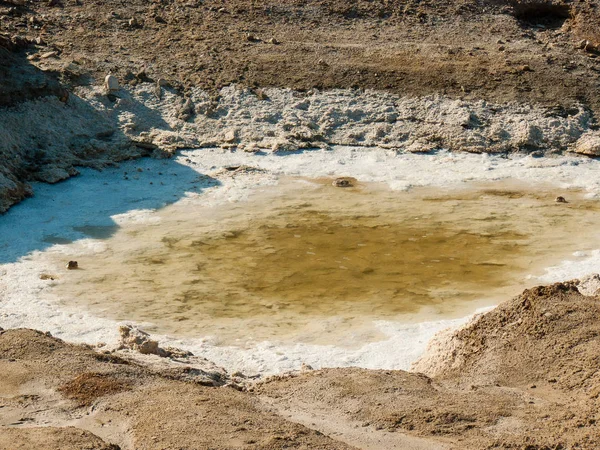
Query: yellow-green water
{"points": [[301, 253]]}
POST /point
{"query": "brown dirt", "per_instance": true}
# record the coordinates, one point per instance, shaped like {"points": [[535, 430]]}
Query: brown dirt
{"points": [[498, 50], [524, 375], [88, 387], [50, 438], [48, 383]]}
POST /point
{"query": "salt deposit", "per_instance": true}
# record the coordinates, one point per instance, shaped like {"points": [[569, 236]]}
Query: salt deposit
{"points": [[94, 129]]}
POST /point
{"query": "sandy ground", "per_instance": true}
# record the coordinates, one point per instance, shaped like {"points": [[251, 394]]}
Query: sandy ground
{"points": [[522, 376]]}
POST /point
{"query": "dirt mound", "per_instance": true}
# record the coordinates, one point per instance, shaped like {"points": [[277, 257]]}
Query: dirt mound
{"points": [[547, 335], [51, 438], [48, 384], [524, 375]]}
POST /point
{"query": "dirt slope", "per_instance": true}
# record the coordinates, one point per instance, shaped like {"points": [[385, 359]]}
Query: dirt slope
{"points": [[47, 383], [532, 51], [522, 376]]}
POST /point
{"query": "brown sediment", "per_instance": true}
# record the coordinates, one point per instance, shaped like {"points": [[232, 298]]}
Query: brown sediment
{"points": [[88, 387]]}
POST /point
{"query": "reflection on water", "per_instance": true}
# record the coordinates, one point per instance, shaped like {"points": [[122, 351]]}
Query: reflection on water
{"points": [[297, 254]]}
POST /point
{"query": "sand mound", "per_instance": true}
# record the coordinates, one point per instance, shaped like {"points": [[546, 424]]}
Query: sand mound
{"points": [[548, 334]]}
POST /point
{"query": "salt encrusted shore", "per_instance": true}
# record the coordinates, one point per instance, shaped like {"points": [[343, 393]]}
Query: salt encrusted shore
{"points": [[96, 129]]}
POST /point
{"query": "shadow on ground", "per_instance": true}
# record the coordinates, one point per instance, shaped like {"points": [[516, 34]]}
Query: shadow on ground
{"points": [[88, 206]]}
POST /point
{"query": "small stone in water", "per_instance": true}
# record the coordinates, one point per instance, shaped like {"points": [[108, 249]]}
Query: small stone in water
{"points": [[72, 265], [342, 182], [560, 199]]}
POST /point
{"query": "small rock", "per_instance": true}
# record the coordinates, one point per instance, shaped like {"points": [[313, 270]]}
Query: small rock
{"points": [[251, 38], [306, 367], [21, 42], [342, 182], [138, 340], [186, 111], [111, 84], [230, 136], [274, 41], [49, 55], [525, 68], [560, 199], [142, 75], [251, 148], [589, 285], [72, 265], [588, 144], [135, 339]]}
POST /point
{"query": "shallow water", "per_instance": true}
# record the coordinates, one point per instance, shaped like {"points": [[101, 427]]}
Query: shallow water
{"points": [[305, 261]]}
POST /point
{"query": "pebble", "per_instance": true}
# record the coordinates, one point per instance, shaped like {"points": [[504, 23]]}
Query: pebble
{"points": [[560, 199], [72, 265], [342, 182], [49, 55], [111, 84]]}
